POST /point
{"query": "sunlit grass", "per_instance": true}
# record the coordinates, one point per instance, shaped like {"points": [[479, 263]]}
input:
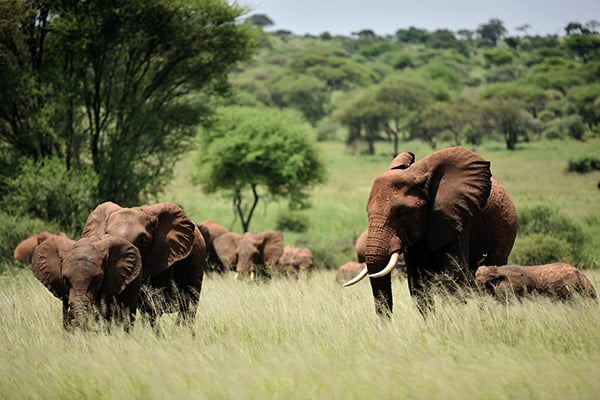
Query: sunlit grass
{"points": [[308, 339]]}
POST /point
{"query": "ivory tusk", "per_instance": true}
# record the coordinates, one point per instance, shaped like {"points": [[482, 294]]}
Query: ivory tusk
{"points": [[358, 277], [237, 276], [388, 268], [252, 275]]}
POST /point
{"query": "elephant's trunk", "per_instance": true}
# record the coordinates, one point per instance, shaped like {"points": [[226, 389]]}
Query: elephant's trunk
{"points": [[382, 241], [80, 312]]}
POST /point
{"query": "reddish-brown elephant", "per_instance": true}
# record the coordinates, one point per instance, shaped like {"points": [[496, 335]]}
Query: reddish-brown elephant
{"points": [[348, 271], [24, 250], [253, 253], [173, 254], [557, 280], [360, 246], [210, 231], [295, 261], [445, 213], [93, 277]]}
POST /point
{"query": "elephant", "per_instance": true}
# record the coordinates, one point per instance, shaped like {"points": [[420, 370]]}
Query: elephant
{"points": [[556, 280], [347, 271], [24, 250], [210, 231], [94, 277], [361, 246], [295, 261], [173, 254], [445, 213], [252, 253]]}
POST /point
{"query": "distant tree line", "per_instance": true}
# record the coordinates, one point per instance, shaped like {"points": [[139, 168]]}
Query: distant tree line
{"points": [[436, 86]]}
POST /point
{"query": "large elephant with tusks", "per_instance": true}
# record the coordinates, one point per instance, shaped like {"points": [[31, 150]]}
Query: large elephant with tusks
{"points": [[446, 214]]}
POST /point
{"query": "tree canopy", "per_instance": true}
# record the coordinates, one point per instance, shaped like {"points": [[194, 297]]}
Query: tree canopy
{"points": [[251, 154], [119, 85]]}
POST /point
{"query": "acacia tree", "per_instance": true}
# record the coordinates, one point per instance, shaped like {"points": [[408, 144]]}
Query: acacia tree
{"points": [[493, 30], [250, 154], [119, 85]]}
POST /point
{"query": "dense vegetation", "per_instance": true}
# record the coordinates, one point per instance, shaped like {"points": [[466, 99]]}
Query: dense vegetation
{"points": [[114, 89]]}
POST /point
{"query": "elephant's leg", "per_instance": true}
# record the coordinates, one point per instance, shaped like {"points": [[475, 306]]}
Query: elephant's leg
{"points": [[67, 323], [149, 309], [382, 293], [419, 281], [188, 304]]}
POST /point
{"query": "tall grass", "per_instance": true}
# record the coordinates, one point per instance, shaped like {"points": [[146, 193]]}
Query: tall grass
{"points": [[299, 340]]}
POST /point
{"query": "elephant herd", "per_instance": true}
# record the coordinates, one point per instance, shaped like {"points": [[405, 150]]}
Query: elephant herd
{"points": [[150, 259], [442, 221]]}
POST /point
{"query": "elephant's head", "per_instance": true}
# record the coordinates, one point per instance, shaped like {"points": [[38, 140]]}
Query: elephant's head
{"points": [[295, 260], [88, 274], [257, 250], [504, 281], [225, 247], [162, 232], [426, 205], [248, 251]]}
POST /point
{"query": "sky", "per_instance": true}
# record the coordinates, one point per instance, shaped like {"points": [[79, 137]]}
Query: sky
{"points": [[342, 17]]}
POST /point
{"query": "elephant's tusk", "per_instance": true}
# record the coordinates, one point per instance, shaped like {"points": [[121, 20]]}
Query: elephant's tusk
{"points": [[388, 268], [252, 275], [358, 277], [237, 276]]}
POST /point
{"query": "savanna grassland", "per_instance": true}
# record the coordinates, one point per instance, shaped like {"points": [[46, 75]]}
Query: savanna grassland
{"points": [[313, 339]]}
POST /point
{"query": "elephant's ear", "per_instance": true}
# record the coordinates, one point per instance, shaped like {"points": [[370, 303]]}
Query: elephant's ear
{"points": [[95, 225], [173, 237], [402, 161], [459, 187], [204, 231], [226, 248], [122, 263], [46, 263], [272, 246]]}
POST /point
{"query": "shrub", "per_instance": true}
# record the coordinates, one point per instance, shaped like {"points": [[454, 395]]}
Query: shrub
{"points": [[293, 221], [539, 248], [498, 56], [46, 190], [546, 235], [584, 164], [14, 229], [329, 254]]}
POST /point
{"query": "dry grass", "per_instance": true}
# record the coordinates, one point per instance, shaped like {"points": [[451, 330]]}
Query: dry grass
{"points": [[299, 340]]}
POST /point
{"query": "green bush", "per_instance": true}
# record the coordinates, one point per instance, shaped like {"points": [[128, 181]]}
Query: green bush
{"points": [[546, 235], [293, 221], [14, 229], [328, 254], [584, 164], [46, 190], [539, 248]]}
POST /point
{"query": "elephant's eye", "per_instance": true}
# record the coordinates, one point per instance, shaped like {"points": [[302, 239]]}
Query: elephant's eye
{"points": [[141, 240]]}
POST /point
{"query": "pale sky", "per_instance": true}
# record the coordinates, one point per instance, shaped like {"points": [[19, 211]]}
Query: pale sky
{"points": [[387, 16]]}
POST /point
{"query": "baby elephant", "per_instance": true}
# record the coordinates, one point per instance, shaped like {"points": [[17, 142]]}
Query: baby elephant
{"points": [[97, 277], [557, 280]]}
